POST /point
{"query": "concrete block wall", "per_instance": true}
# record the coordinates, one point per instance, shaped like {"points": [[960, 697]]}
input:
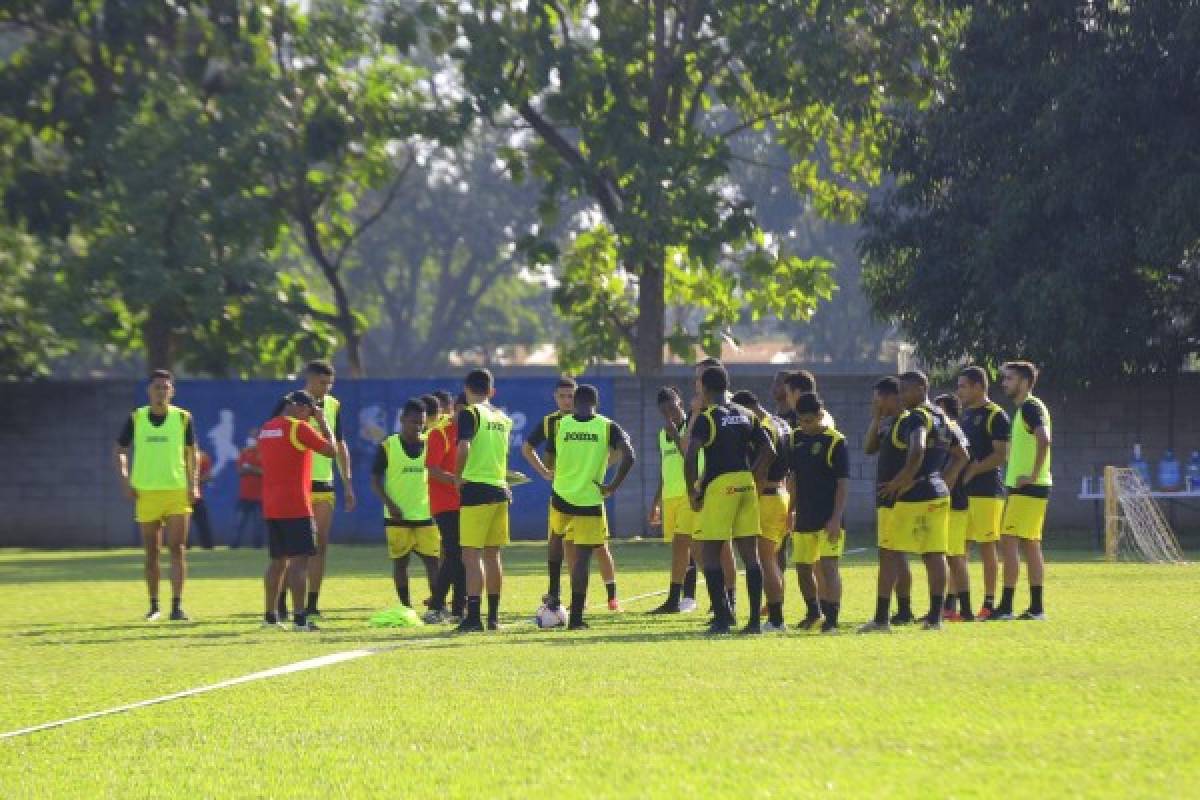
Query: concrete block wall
{"points": [[60, 489]]}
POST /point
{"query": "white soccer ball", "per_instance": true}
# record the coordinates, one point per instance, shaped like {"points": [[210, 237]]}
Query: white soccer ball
{"points": [[547, 617]]}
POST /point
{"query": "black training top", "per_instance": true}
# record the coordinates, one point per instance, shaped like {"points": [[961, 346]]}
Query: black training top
{"points": [[728, 434], [928, 483], [818, 462], [544, 432], [893, 451], [984, 425], [780, 434], [958, 492]]}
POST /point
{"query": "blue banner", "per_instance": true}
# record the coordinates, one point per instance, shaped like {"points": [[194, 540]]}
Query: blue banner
{"points": [[224, 412]]}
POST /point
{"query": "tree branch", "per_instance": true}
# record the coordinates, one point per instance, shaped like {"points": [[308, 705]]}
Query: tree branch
{"points": [[374, 216], [602, 189]]}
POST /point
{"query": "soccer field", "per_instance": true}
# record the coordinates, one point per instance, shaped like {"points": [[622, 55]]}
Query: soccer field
{"points": [[1101, 700]]}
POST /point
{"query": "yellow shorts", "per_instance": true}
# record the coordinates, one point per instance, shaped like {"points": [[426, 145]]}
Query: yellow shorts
{"points": [[919, 527], [556, 522], [324, 498], [808, 546], [483, 526], [773, 516], [1024, 517], [402, 540], [586, 530], [956, 533], [730, 509], [984, 517], [677, 518], [155, 505], [883, 517]]}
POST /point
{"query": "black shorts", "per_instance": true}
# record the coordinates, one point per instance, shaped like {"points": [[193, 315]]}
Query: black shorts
{"points": [[291, 537]]}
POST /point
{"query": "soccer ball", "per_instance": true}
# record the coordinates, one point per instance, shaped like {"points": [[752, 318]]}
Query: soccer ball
{"points": [[547, 617]]}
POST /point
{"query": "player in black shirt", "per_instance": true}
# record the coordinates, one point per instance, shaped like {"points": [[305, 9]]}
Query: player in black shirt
{"points": [[820, 470], [958, 581]]}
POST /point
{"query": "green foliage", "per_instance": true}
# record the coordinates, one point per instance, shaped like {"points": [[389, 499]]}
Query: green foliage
{"points": [[29, 340], [1046, 207], [635, 107]]}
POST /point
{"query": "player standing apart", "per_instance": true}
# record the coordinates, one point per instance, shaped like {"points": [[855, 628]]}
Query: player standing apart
{"points": [[1028, 480], [482, 464], [161, 482], [286, 445], [987, 428], [401, 479]]}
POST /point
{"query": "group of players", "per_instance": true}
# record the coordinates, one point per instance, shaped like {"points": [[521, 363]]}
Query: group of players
{"points": [[735, 478]]}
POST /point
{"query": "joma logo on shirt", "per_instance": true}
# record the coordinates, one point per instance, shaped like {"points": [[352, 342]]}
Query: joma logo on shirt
{"points": [[157, 439], [581, 436], [735, 420], [412, 469], [495, 426]]}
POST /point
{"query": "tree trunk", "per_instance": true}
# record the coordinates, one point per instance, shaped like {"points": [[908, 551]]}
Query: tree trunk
{"points": [[159, 339], [649, 331]]}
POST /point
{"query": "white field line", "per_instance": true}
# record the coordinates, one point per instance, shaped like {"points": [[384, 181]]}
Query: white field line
{"points": [[286, 669]]}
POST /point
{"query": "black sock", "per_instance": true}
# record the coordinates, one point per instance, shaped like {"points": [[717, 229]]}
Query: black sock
{"points": [[270, 618], [673, 595], [611, 588], [989, 602], [300, 619], [473, 602], [1006, 600], [881, 610], [312, 602], [964, 603], [754, 586], [1035, 599], [578, 601], [689, 581], [811, 608], [948, 603], [154, 604], [281, 604], [775, 613], [829, 610], [403, 593], [715, 580], [730, 596], [935, 607], [904, 606], [555, 570], [493, 608]]}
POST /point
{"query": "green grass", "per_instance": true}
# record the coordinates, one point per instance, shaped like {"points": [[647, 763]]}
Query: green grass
{"points": [[1099, 701]]}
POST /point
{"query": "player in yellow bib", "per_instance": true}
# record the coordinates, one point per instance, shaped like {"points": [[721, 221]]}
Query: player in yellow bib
{"points": [[1028, 480], [582, 442], [671, 509], [161, 482], [401, 479], [482, 467]]}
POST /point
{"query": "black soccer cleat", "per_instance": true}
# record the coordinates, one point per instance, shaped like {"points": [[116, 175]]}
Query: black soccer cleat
{"points": [[902, 619], [177, 615], [665, 608], [469, 626]]}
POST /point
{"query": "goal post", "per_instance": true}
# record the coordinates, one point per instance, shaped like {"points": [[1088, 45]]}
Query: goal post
{"points": [[1134, 525]]}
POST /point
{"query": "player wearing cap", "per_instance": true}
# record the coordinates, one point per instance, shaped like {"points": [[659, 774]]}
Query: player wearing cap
{"points": [[286, 444], [161, 482]]}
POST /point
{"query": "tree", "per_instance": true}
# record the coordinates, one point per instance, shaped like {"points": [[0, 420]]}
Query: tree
{"points": [[1046, 207], [444, 267], [342, 111], [633, 106], [131, 134]]}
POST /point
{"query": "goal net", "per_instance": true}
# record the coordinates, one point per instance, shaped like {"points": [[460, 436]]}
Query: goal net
{"points": [[1136, 528]]}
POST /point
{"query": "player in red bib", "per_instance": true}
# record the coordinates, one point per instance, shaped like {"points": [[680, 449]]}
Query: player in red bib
{"points": [[286, 444]]}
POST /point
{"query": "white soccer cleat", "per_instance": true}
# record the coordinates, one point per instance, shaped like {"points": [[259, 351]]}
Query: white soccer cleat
{"points": [[874, 627], [687, 605], [771, 627]]}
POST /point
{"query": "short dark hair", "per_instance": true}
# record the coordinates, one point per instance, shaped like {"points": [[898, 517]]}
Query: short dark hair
{"points": [[460, 399], [801, 381], [566, 382], [479, 381], [1025, 369], [666, 394], [976, 375], [745, 397], [888, 385], [948, 403], [715, 379], [915, 376], [429, 403], [160, 373], [444, 398], [416, 405], [709, 362], [809, 403], [319, 366], [587, 393], [781, 376]]}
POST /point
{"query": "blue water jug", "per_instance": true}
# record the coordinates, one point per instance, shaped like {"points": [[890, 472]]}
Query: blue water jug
{"points": [[1193, 472], [1169, 478], [1139, 465]]}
